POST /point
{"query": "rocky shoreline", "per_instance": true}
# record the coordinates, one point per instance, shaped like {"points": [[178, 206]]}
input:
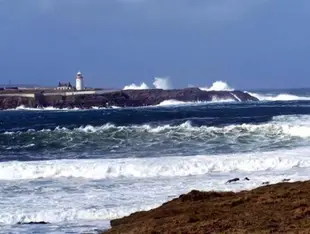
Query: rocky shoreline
{"points": [[121, 98], [278, 208]]}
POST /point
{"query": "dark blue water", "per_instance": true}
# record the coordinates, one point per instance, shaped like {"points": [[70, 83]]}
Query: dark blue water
{"points": [[130, 132], [199, 115]]}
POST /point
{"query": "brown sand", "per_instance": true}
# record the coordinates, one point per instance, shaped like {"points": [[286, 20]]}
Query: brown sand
{"points": [[279, 208]]}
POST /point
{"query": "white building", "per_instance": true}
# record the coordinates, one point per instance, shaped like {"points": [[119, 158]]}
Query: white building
{"points": [[79, 81]]}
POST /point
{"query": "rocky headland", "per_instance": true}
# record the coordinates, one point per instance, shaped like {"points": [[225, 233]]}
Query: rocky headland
{"points": [[121, 98], [278, 208]]}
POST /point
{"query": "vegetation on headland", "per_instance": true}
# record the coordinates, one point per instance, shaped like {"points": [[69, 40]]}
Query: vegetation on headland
{"points": [[278, 208]]}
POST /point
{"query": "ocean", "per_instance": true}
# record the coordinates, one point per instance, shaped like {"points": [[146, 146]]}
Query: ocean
{"points": [[78, 169]]}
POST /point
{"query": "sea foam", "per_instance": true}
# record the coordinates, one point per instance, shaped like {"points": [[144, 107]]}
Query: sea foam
{"points": [[155, 167]]}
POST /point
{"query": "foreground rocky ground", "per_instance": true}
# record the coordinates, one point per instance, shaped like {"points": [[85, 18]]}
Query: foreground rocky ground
{"points": [[279, 208]]}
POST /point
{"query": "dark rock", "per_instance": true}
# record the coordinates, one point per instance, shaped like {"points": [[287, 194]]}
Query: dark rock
{"points": [[246, 178], [122, 98], [32, 223], [266, 183], [286, 180], [233, 180]]}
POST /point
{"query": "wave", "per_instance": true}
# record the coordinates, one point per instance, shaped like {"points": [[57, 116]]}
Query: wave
{"points": [[50, 108], [223, 86], [174, 103], [155, 167], [294, 125], [54, 215], [158, 83], [72, 192], [181, 103], [278, 97], [137, 87], [158, 140], [218, 86]]}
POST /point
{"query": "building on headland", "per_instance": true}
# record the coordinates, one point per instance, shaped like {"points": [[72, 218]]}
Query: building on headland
{"points": [[63, 89], [79, 82], [64, 86]]}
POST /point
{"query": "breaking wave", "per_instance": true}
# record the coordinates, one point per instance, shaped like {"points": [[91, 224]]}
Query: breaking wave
{"points": [[50, 108], [181, 103], [158, 83], [290, 125], [278, 97], [281, 132], [298, 126], [218, 86], [154, 167], [137, 87], [223, 86]]}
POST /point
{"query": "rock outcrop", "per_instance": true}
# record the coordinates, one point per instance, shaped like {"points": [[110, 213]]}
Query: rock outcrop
{"points": [[122, 98], [279, 208]]}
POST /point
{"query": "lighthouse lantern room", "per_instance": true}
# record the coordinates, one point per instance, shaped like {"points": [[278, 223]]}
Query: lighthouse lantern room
{"points": [[79, 81]]}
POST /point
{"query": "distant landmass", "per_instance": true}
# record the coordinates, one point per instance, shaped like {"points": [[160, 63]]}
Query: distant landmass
{"points": [[20, 85], [120, 98]]}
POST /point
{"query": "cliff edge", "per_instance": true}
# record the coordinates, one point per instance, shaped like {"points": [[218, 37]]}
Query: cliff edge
{"points": [[279, 208]]}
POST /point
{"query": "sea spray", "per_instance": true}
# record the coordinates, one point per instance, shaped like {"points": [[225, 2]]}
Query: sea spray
{"points": [[218, 86], [162, 83], [136, 87], [158, 83]]}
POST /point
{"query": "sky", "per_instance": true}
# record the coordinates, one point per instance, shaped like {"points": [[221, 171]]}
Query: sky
{"points": [[247, 43]]}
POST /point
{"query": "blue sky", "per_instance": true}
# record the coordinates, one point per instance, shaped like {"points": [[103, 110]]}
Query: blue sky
{"points": [[248, 43]]}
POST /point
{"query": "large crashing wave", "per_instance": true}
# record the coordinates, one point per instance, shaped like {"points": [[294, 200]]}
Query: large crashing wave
{"points": [[164, 83], [218, 86], [137, 87], [223, 86], [158, 83]]}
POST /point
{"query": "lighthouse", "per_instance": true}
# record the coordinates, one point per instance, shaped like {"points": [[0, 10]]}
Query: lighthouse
{"points": [[79, 81]]}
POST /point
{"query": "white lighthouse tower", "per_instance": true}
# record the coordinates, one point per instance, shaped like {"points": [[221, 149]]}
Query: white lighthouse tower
{"points": [[79, 81]]}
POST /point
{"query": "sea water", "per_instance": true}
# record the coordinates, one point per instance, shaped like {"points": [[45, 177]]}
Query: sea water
{"points": [[78, 169]]}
